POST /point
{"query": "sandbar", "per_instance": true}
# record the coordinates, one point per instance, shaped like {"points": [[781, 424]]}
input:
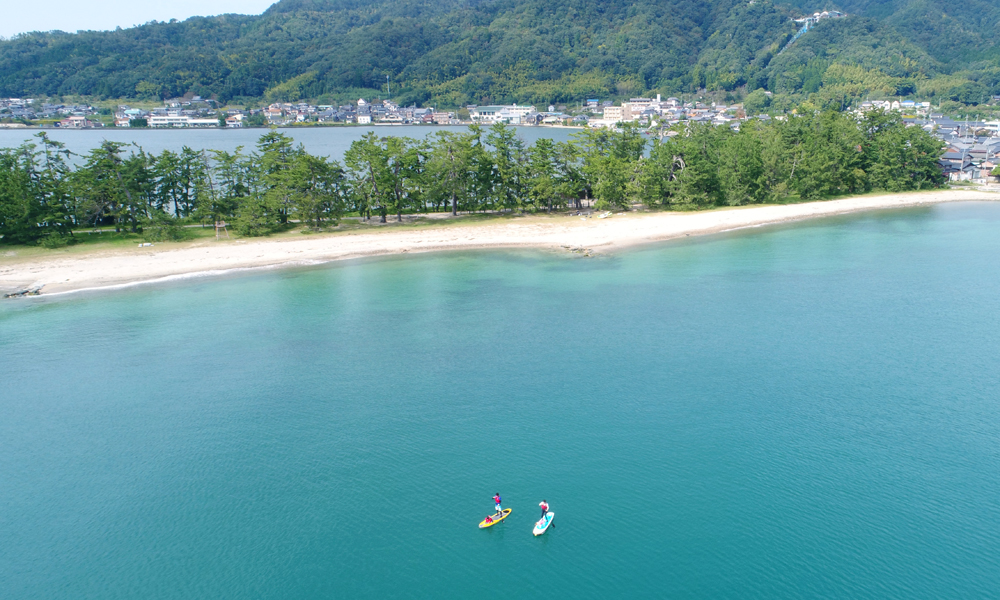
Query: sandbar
{"points": [[74, 271]]}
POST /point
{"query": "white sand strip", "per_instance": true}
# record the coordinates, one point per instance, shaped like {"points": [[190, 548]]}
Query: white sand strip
{"points": [[105, 268]]}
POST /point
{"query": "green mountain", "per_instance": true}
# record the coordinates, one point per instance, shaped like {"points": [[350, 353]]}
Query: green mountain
{"points": [[452, 52]]}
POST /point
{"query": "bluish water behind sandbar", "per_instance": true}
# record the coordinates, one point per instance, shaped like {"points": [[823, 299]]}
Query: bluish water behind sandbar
{"points": [[789, 412], [331, 142]]}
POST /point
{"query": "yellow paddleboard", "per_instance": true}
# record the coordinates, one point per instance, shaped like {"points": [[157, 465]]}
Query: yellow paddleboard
{"points": [[496, 519]]}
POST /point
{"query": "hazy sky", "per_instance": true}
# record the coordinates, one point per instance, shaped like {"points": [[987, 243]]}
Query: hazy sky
{"points": [[19, 16]]}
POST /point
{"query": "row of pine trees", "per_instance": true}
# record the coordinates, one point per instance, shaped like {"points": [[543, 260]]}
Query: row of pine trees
{"points": [[46, 193]]}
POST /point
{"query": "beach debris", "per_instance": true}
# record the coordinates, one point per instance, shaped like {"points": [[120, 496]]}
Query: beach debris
{"points": [[605, 215], [37, 291], [145, 244]]}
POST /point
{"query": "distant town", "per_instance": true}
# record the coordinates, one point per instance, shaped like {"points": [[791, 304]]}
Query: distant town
{"points": [[972, 147]]}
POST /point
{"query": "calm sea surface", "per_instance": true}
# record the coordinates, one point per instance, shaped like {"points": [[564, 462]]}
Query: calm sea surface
{"points": [[791, 412], [321, 141]]}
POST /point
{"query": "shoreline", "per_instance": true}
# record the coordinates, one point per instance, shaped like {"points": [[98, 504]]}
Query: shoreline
{"points": [[126, 267]]}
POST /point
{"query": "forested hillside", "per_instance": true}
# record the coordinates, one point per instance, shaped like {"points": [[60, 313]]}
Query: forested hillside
{"points": [[453, 52]]}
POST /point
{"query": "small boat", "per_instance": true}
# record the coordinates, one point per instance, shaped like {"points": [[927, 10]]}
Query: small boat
{"points": [[543, 523], [496, 519]]}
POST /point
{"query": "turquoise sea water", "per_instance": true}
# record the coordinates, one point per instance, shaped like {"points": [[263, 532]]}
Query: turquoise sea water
{"points": [[800, 411]]}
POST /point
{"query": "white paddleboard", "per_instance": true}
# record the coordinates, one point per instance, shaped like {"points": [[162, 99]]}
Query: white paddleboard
{"points": [[543, 523]]}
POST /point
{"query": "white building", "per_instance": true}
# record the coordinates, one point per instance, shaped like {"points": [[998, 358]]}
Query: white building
{"points": [[640, 104], [167, 121], [512, 114], [614, 114], [180, 121]]}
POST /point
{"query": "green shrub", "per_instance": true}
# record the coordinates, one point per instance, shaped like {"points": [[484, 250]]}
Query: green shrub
{"points": [[55, 241]]}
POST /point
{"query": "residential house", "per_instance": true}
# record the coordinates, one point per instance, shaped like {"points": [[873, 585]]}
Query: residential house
{"points": [[75, 122], [274, 113], [957, 165], [442, 118]]}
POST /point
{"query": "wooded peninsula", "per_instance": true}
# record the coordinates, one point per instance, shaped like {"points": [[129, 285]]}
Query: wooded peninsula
{"points": [[46, 194]]}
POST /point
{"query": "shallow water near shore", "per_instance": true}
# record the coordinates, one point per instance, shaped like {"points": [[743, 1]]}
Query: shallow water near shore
{"points": [[807, 410]]}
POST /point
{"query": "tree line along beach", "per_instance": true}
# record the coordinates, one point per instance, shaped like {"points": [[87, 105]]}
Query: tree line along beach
{"points": [[512, 193]]}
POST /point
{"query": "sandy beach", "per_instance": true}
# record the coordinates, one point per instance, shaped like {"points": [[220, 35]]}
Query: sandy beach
{"points": [[104, 268]]}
